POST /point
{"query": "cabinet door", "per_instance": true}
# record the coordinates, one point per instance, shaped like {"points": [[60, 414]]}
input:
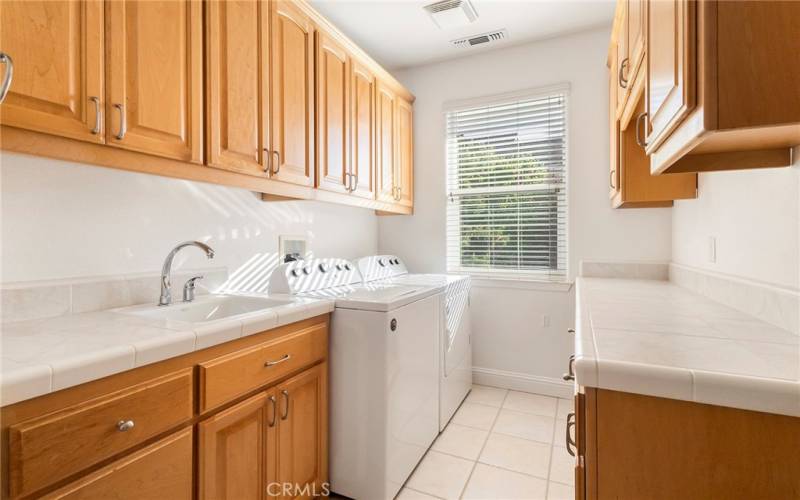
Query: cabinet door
{"points": [[333, 115], [233, 450], [670, 66], [161, 470], [613, 125], [623, 61], [237, 94], [57, 53], [636, 32], [292, 66], [303, 433], [155, 77], [386, 136], [363, 130], [405, 153]]}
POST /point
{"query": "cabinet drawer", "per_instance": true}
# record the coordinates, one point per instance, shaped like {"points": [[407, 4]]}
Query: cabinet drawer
{"points": [[46, 449], [227, 377], [161, 470]]}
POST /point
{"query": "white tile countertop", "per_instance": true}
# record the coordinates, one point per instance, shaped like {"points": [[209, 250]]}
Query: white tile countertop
{"points": [[658, 339], [46, 355]]}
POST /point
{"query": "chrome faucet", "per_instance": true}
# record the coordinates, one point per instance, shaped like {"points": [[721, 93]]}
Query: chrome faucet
{"points": [[166, 282]]}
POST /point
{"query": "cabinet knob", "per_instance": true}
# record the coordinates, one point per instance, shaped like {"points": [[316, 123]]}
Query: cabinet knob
{"points": [[125, 425], [571, 330]]}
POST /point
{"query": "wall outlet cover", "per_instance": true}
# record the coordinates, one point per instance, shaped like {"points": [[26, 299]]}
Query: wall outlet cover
{"points": [[294, 245]]}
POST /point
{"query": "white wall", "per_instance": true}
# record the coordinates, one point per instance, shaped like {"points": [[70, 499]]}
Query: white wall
{"points": [[596, 231], [754, 216], [65, 220]]}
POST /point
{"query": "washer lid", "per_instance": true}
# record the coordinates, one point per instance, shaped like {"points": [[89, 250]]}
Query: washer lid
{"points": [[377, 297]]}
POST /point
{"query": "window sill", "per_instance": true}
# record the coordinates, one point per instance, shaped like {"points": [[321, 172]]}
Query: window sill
{"points": [[526, 283]]}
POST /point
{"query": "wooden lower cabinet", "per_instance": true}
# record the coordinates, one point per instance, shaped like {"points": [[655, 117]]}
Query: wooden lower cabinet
{"points": [[644, 447], [161, 470], [273, 444], [145, 434]]}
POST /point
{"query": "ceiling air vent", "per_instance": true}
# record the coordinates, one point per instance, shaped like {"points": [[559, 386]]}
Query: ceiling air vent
{"points": [[451, 13], [483, 38]]}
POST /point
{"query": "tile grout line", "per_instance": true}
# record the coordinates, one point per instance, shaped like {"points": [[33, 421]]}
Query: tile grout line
{"points": [[486, 440]]}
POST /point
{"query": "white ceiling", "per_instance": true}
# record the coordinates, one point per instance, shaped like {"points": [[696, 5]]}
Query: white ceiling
{"points": [[400, 34]]}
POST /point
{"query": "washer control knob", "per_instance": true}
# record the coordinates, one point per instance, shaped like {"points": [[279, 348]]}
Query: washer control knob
{"points": [[382, 262], [306, 270], [294, 273], [348, 267], [339, 267], [323, 267]]}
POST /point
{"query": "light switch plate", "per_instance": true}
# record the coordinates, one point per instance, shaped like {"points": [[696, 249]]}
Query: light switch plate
{"points": [[712, 249]]}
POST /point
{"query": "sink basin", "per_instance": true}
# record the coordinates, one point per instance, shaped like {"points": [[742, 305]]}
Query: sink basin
{"points": [[206, 308]]}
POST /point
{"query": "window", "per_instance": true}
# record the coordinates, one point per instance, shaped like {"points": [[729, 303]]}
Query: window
{"points": [[507, 186]]}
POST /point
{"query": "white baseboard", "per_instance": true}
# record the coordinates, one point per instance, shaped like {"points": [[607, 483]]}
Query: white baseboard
{"points": [[522, 382]]}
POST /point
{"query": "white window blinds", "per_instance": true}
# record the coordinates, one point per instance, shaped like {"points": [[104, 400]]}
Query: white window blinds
{"points": [[507, 182]]}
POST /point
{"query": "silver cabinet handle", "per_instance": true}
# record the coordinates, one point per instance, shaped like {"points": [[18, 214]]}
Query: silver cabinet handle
{"points": [[97, 115], [285, 414], [6, 59], [285, 357], [570, 375], [348, 181], [278, 164], [125, 425], [641, 142], [611, 179], [268, 168], [622, 81], [570, 442], [123, 125], [274, 406], [354, 178]]}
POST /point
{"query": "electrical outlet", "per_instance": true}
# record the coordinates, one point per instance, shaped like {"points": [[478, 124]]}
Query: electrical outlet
{"points": [[712, 249], [545, 320]]}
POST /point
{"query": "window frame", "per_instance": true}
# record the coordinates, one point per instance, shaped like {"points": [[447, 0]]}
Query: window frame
{"points": [[533, 275]]}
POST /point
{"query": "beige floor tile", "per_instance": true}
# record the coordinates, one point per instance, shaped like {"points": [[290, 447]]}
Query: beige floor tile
{"points": [[461, 441], [409, 494], [562, 469], [524, 425], [491, 483], [516, 454], [558, 491], [485, 395], [565, 406], [475, 415], [441, 475], [531, 403]]}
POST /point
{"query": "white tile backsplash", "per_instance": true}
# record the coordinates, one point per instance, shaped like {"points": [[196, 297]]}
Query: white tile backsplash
{"points": [[47, 299]]}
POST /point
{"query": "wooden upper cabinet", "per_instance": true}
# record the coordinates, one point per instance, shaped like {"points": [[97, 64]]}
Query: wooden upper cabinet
{"points": [[292, 112], [623, 66], [671, 72], [57, 53], [237, 86], [161, 470], [385, 122], [405, 153], [333, 115], [613, 124], [303, 431], [155, 77], [234, 450], [363, 130]]}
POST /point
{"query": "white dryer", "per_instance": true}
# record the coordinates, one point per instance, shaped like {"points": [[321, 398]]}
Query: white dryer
{"points": [[383, 366], [455, 346]]}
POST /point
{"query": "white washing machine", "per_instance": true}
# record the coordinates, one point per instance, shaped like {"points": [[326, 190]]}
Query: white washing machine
{"points": [[455, 346], [383, 364]]}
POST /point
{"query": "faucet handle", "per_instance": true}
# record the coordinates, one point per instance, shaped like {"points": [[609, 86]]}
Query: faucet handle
{"points": [[188, 288]]}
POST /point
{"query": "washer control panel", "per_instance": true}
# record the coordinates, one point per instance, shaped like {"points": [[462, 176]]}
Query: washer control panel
{"points": [[381, 266], [313, 274]]}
